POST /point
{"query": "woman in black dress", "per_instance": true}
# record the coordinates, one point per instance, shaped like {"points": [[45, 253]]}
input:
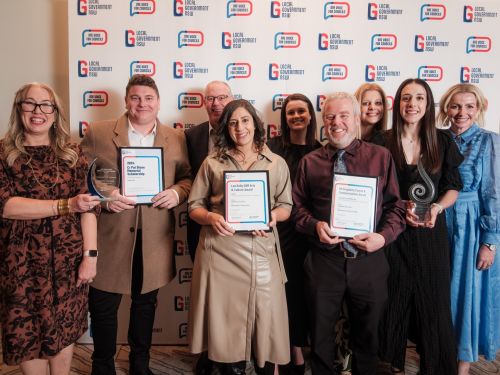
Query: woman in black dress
{"points": [[418, 307], [298, 137]]}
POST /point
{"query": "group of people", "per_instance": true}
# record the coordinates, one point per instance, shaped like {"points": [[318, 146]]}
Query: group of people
{"points": [[258, 295]]}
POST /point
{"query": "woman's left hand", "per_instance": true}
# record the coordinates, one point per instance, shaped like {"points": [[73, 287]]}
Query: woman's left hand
{"points": [[485, 258], [86, 271], [432, 220], [271, 224]]}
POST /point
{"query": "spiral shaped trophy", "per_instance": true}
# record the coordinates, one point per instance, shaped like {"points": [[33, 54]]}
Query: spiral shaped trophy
{"points": [[422, 195]]}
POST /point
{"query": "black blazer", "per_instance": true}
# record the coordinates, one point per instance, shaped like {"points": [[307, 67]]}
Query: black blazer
{"points": [[197, 145]]}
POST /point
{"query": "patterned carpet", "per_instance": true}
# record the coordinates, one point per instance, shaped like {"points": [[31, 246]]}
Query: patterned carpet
{"points": [[176, 360]]}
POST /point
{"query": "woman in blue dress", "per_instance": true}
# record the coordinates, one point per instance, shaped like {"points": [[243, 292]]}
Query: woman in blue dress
{"points": [[474, 227]]}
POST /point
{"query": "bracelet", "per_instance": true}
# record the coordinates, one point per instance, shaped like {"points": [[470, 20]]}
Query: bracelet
{"points": [[438, 206], [63, 207]]}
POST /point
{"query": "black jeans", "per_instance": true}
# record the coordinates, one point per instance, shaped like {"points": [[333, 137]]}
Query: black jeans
{"points": [[103, 308]]}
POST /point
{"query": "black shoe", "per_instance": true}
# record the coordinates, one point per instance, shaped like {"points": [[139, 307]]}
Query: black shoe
{"points": [[145, 371], [204, 365]]}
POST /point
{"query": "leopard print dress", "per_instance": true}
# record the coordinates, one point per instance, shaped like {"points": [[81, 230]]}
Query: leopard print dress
{"points": [[41, 309]]}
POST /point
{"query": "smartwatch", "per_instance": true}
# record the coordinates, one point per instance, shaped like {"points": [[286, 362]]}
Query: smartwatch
{"points": [[91, 253]]}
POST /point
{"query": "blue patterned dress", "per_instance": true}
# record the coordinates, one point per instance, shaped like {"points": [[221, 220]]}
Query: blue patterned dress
{"points": [[472, 221]]}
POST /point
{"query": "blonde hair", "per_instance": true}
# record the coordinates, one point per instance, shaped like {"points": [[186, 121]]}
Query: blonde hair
{"points": [[382, 124], [481, 102], [59, 132]]}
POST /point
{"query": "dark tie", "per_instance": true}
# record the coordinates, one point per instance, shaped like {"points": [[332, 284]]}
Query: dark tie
{"points": [[340, 167]]}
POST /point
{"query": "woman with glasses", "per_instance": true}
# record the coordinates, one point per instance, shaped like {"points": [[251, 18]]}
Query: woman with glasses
{"points": [[48, 242], [474, 227], [298, 138], [238, 304]]}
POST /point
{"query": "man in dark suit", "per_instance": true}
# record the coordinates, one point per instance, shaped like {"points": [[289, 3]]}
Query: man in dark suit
{"points": [[200, 142]]}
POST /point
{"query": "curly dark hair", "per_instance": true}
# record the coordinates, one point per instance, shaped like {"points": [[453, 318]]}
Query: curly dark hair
{"points": [[311, 128], [223, 142]]}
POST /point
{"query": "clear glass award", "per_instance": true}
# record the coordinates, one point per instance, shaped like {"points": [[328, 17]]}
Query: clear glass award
{"points": [[103, 180], [421, 195]]}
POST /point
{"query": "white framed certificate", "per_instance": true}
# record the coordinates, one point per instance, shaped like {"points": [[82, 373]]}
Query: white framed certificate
{"points": [[141, 173], [353, 208], [246, 197]]}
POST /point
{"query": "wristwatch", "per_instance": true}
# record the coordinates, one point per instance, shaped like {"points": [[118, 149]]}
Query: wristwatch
{"points": [[491, 246], [91, 253]]}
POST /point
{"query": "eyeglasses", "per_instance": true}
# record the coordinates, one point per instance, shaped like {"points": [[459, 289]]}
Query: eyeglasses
{"points": [[27, 106], [220, 98]]}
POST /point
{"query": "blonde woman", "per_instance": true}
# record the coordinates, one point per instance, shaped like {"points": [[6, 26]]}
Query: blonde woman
{"points": [[373, 105], [474, 227], [48, 238]]}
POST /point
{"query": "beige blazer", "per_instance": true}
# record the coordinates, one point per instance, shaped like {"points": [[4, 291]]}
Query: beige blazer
{"points": [[116, 232]]}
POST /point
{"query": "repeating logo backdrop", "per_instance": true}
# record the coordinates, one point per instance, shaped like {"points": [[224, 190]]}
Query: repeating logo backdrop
{"points": [[267, 50]]}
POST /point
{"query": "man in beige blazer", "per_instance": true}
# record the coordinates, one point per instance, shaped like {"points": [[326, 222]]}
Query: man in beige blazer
{"points": [[135, 241]]}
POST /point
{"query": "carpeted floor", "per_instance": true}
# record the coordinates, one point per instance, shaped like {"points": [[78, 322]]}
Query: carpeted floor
{"points": [[176, 360]]}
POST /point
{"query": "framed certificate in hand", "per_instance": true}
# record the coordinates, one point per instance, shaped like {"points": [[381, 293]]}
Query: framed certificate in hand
{"points": [[353, 208], [246, 197], [141, 173]]}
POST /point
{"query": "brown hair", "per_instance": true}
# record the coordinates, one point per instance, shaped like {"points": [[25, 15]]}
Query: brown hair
{"points": [[311, 128], [141, 80], [428, 131]]}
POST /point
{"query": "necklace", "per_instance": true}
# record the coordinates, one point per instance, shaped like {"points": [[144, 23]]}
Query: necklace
{"points": [[245, 159], [412, 144], [38, 181]]}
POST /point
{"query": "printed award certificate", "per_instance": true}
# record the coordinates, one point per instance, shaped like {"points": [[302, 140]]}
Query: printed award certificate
{"points": [[141, 173], [353, 207], [247, 202]]}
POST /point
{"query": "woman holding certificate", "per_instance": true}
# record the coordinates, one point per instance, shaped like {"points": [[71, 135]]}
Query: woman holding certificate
{"points": [[474, 227], [238, 305], [298, 138], [48, 250], [418, 306]]}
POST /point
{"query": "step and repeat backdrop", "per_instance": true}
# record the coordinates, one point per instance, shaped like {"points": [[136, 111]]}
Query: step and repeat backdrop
{"points": [[267, 50]]}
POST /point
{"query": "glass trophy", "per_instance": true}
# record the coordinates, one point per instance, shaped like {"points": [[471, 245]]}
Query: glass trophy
{"points": [[422, 195], [103, 181]]}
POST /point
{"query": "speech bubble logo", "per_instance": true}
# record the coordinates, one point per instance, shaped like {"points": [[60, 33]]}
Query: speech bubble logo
{"points": [[142, 7], [189, 100], [190, 38], [336, 9], [320, 100], [478, 44], [434, 12], [185, 275], [142, 67], [82, 128], [238, 70], [383, 42], [334, 71], [278, 100], [239, 8], [95, 99], [94, 37], [286, 40], [430, 73]]}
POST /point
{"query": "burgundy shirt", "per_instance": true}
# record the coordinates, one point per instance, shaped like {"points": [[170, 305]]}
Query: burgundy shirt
{"points": [[312, 189]]}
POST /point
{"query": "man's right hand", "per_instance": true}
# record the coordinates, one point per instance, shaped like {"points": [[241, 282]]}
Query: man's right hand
{"points": [[325, 234]]}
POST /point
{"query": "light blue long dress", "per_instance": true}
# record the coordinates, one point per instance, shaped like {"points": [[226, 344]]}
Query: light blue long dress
{"points": [[472, 221]]}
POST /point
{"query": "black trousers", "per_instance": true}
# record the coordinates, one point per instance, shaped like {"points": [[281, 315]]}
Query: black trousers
{"points": [[363, 282], [103, 308]]}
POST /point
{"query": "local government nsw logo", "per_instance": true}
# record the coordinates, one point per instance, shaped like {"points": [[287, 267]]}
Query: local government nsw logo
{"points": [[139, 38], [334, 41], [285, 9], [187, 70], [92, 7], [142, 7], [190, 38], [94, 37], [380, 73], [474, 74], [239, 8], [189, 8], [428, 43], [92, 68], [382, 11], [236, 40], [283, 71], [478, 13]]}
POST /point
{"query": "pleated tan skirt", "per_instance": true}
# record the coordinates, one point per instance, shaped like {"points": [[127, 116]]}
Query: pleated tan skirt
{"points": [[238, 305]]}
